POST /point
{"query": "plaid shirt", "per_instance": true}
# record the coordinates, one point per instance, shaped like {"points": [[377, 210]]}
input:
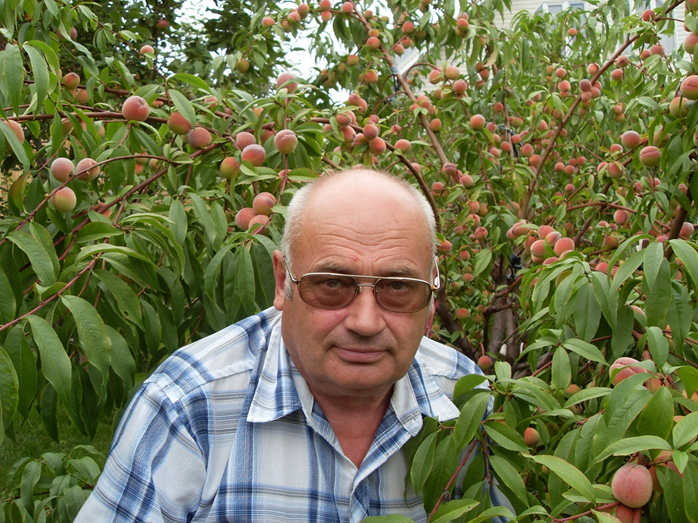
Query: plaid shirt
{"points": [[227, 430]]}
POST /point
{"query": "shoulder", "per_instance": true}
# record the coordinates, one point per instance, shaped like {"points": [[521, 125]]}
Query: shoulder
{"points": [[225, 357], [444, 363]]}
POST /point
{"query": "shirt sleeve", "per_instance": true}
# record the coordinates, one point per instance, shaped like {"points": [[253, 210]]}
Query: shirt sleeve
{"points": [[155, 470]]}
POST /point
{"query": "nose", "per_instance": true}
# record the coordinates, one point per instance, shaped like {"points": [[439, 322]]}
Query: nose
{"points": [[364, 315]]}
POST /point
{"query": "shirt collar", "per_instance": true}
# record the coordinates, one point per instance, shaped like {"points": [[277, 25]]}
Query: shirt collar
{"points": [[281, 390]]}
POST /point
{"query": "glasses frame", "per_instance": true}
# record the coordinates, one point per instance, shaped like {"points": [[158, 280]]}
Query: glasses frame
{"points": [[360, 286]]}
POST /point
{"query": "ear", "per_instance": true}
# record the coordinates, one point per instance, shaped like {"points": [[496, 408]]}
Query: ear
{"points": [[279, 280]]}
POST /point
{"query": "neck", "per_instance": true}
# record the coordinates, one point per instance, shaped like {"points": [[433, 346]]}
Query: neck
{"points": [[354, 420]]}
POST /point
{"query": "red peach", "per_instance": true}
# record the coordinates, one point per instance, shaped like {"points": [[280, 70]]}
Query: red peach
{"points": [[630, 139], [285, 141], [689, 87], [650, 156], [563, 245], [286, 77], [258, 224], [632, 485], [229, 168], [255, 154], [243, 217], [16, 128], [403, 145], [87, 165], [178, 124], [244, 139], [71, 81], [477, 122], [136, 109], [485, 363], [627, 368], [531, 437], [199, 138], [263, 203], [147, 49]]}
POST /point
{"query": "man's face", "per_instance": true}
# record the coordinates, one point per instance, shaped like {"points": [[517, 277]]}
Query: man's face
{"points": [[361, 350]]}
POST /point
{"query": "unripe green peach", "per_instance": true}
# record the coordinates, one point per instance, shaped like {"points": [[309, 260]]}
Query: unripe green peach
{"points": [[64, 200], [243, 65], [678, 108], [62, 169]]}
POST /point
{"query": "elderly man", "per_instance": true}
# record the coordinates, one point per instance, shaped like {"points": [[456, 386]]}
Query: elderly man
{"points": [[300, 412]]}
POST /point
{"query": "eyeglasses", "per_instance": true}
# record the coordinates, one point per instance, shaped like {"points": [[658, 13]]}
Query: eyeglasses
{"points": [[328, 290]]}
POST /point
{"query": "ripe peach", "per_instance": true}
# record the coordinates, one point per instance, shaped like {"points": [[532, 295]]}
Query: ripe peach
{"points": [[373, 42], [632, 485], [326, 16], [62, 169], [531, 437], [71, 81], [689, 44], [255, 154], [285, 141], [87, 165], [650, 156], [16, 128], [444, 247], [136, 109], [477, 122], [615, 170], [689, 87], [147, 49], [244, 139], [621, 217], [625, 514], [286, 77], [403, 145], [348, 7], [243, 217], [452, 72], [485, 363], [678, 108], [258, 224], [377, 145], [687, 230], [630, 139], [563, 245], [199, 138], [178, 124], [64, 200], [627, 368], [435, 124], [263, 203], [229, 168]]}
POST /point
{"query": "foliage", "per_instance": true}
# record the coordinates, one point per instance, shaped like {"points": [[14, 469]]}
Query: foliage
{"points": [[561, 249]]}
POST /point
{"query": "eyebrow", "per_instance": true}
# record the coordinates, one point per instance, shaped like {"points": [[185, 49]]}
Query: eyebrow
{"points": [[334, 267]]}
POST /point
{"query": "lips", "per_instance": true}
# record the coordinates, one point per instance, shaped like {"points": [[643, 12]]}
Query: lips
{"points": [[359, 354]]}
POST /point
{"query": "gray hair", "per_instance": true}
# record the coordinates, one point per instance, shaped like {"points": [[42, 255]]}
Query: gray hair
{"points": [[300, 200]]}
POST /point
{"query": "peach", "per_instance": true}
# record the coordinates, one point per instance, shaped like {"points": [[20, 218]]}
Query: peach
{"points": [[267, 21], [373, 42], [258, 224], [244, 139], [621, 217], [563, 245], [282, 80], [627, 368], [88, 166], [242, 65], [147, 49], [371, 76], [689, 87], [255, 154], [348, 7], [625, 514], [377, 145], [544, 230], [16, 128], [178, 124], [630, 139], [435, 124], [689, 44], [71, 81], [371, 131], [403, 145], [485, 363], [229, 168], [285, 141], [531, 437], [687, 230], [452, 72], [632, 485], [162, 24], [62, 169], [650, 156], [616, 170], [462, 314], [263, 203], [538, 249], [444, 247], [199, 138], [243, 217], [64, 200], [477, 122], [136, 109], [678, 108]]}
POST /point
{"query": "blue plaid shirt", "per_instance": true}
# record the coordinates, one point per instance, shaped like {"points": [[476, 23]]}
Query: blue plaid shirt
{"points": [[227, 430]]}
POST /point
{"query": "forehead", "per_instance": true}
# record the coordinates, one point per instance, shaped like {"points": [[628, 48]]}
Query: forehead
{"points": [[365, 225]]}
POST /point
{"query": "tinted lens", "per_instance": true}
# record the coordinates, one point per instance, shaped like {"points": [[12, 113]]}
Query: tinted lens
{"points": [[402, 295], [327, 291]]}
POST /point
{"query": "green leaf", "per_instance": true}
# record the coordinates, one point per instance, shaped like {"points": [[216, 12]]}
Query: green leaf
{"points": [[9, 389], [24, 362], [265, 284], [211, 277], [562, 373], [687, 254], [30, 477], [690, 490], [658, 298], [654, 254], [91, 333], [453, 509], [510, 477], [40, 71], [584, 349], [422, 462], [605, 518], [587, 394], [685, 430], [569, 474], [122, 360], [658, 345], [49, 53], [14, 75], [8, 305], [673, 486], [205, 216], [106, 248], [184, 106], [689, 378], [178, 216], [656, 418], [587, 313], [20, 153], [469, 420], [495, 512], [244, 282], [54, 361], [96, 231], [192, 80], [628, 446], [126, 299], [505, 436]]}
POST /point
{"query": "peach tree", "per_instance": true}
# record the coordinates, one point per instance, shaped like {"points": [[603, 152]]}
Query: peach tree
{"points": [[147, 162]]}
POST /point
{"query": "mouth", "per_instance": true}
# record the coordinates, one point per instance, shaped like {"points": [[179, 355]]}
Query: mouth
{"points": [[359, 354]]}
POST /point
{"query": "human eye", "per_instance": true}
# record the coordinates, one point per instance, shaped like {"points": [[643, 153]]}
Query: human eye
{"points": [[333, 283], [398, 286]]}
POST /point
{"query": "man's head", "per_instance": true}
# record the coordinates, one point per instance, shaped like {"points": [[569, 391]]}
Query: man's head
{"points": [[362, 223]]}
